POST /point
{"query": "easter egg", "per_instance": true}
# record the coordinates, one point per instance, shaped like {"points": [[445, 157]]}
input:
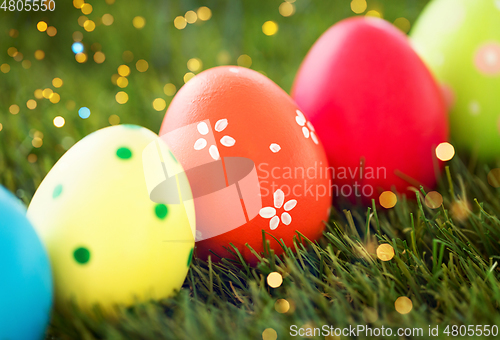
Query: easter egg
{"points": [[25, 276], [108, 242], [375, 106], [254, 162], [460, 42]]}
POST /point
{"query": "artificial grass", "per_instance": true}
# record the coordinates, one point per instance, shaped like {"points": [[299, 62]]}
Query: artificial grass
{"points": [[445, 262]]}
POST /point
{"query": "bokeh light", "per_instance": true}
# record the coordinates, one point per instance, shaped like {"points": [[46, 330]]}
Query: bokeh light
{"points": [[41, 26], [270, 28], [244, 60], [194, 64], [358, 6], [403, 305], [191, 17], [188, 76], [114, 120], [86, 9], [269, 334], [122, 82], [374, 13], [204, 13], [38, 94], [388, 199], [99, 57], [77, 47], [46, 93], [59, 122], [494, 177], [274, 279], [141, 65], [39, 54], [445, 151], [433, 200], [286, 9], [169, 89], [5, 68], [55, 98], [51, 31], [180, 22], [403, 24], [107, 19], [123, 70], [139, 22], [14, 109], [159, 104], [26, 64], [32, 158], [57, 82], [31, 104], [385, 252], [282, 306], [78, 3], [81, 57], [89, 25], [121, 97], [84, 112], [37, 142]]}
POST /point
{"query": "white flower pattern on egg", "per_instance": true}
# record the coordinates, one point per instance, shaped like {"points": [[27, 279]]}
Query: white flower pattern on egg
{"points": [[271, 212], [201, 143], [307, 128]]}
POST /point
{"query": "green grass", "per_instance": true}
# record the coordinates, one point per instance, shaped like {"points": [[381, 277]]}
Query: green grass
{"points": [[446, 264]]}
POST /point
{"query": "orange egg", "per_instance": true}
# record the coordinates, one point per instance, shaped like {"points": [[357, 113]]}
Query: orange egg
{"points": [[253, 161]]}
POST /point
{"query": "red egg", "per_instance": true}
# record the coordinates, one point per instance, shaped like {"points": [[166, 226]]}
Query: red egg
{"points": [[375, 106], [253, 161]]}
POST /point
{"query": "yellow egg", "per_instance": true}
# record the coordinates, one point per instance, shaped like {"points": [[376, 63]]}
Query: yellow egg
{"points": [[108, 241]]}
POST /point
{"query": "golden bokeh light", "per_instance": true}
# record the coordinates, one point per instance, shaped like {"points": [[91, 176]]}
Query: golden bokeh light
{"points": [[128, 56], [188, 76], [37, 142], [433, 200], [114, 78], [282, 306], [99, 57], [81, 57], [14, 109], [494, 177], [1, 127], [122, 82], [159, 104], [244, 60], [270, 28], [110, 2], [55, 98], [59, 122], [445, 151], [141, 65], [57, 82], [86, 9], [89, 25], [460, 210], [114, 120], [32, 158], [123, 70], [169, 89], [13, 33], [41, 26], [12, 51], [139, 22], [51, 31], [358, 6], [39, 54], [385, 252], [31, 104], [19, 56], [26, 64], [388, 199], [46, 93], [78, 3], [269, 334], [77, 36], [38, 94], [223, 57], [180, 22], [403, 24], [194, 64], [274, 279], [107, 19], [191, 17], [82, 19], [204, 13], [403, 305], [373, 13], [286, 9], [5, 68], [121, 97]]}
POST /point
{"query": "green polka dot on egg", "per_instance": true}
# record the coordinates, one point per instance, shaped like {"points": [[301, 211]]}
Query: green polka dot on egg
{"points": [[81, 255], [161, 211], [124, 153], [57, 191]]}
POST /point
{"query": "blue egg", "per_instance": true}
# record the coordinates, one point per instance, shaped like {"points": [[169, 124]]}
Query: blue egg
{"points": [[25, 275], [77, 47]]}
